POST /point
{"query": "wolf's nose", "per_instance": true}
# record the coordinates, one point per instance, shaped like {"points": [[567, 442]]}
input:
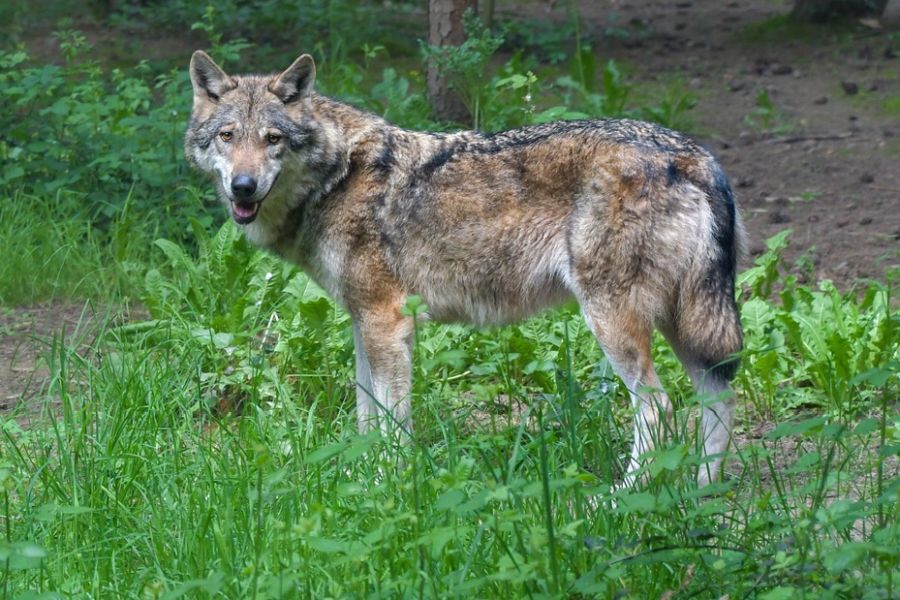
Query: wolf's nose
{"points": [[243, 186]]}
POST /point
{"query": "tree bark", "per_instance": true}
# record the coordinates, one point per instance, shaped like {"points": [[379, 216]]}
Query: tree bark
{"points": [[488, 14], [824, 10], [445, 28]]}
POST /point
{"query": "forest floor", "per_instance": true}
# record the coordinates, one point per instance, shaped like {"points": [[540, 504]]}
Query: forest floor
{"points": [[822, 158]]}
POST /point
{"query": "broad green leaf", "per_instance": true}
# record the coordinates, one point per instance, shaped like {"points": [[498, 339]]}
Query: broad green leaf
{"points": [[325, 452], [866, 426], [756, 314], [211, 585], [635, 502], [450, 499], [874, 377], [328, 546], [805, 463], [795, 428], [358, 446], [845, 557], [667, 460], [779, 593]]}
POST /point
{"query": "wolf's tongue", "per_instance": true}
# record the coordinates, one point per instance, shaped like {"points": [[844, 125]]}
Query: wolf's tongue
{"points": [[244, 210]]}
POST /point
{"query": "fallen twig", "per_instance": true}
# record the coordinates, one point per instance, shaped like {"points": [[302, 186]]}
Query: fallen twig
{"points": [[809, 138]]}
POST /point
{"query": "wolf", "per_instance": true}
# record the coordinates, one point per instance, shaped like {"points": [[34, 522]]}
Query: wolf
{"points": [[636, 222]]}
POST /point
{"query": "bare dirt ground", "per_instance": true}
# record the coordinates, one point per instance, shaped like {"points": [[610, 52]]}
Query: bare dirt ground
{"points": [[27, 341], [824, 161]]}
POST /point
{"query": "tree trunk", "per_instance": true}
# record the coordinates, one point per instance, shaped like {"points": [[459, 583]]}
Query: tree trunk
{"points": [[488, 14], [445, 28], [823, 10]]}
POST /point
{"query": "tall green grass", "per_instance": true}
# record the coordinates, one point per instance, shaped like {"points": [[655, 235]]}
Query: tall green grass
{"points": [[53, 250], [211, 452]]}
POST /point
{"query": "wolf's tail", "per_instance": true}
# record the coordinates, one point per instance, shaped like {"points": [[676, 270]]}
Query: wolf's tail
{"points": [[707, 321], [706, 328]]}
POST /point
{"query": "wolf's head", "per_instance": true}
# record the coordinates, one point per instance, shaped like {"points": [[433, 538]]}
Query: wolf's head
{"points": [[245, 131]]}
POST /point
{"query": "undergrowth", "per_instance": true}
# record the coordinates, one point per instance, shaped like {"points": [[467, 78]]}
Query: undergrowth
{"points": [[211, 451], [56, 252]]}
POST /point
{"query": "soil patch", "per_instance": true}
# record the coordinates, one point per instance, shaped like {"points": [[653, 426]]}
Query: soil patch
{"points": [[26, 345]]}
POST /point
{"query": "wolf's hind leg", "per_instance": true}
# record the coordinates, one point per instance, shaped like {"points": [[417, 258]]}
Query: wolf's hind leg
{"points": [[706, 347], [718, 413], [624, 334]]}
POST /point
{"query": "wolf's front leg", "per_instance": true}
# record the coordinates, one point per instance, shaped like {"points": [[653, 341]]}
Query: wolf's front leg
{"points": [[383, 340]]}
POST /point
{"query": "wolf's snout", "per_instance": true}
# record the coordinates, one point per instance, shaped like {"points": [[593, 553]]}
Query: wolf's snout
{"points": [[243, 186]]}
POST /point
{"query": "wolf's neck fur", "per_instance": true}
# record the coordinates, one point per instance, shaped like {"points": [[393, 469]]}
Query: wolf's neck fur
{"points": [[356, 157], [363, 137]]}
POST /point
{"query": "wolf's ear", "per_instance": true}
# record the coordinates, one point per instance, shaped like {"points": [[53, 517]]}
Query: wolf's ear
{"points": [[208, 79], [297, 81]]}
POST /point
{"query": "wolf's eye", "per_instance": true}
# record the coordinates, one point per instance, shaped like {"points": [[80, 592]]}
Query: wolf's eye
{"points": [[273, 138], [226, 136]]}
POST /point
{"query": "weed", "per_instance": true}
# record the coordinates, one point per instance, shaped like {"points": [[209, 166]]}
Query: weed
{"points": [[796, 360], [766, 116], [786, 27], [106, 139], [61, 254], [226, 52], [806, 196], [672, 109], [891, 105], [464, 66]]}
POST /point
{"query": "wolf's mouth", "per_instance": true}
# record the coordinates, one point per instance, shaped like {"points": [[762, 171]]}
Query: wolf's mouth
{"points": [[244, 212]]}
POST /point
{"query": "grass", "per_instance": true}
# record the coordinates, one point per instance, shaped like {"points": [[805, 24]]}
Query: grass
{"points": [[781, 27], [136, 490], [134, 483], [56, 252], [766, 116], [891, 105]]}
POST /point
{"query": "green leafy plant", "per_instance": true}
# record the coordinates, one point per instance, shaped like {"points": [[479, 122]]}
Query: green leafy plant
{"points": [[226, 52], [672, 109], [464, 66], [804, 350], [610, 103], [254, 314], [766, 116], [102, 136]]}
